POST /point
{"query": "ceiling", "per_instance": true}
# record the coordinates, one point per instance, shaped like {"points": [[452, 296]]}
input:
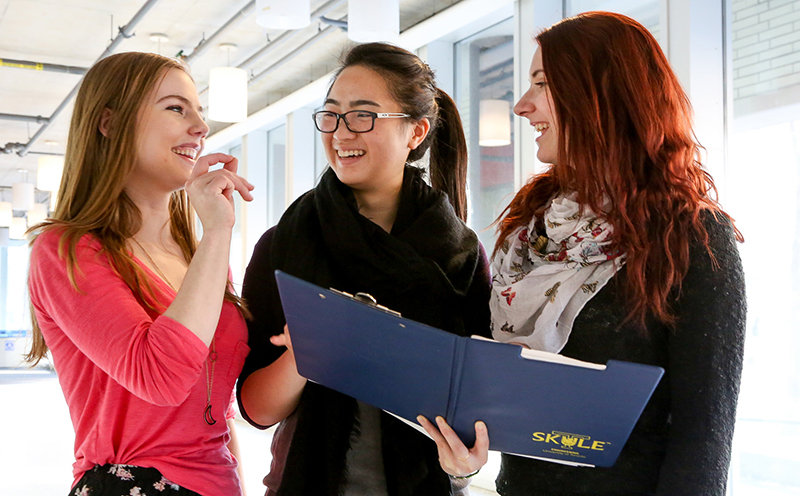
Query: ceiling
{"points": [[76, 33]]}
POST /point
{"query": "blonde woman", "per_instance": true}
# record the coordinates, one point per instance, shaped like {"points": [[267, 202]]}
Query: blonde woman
{"points": [[144, 331]]}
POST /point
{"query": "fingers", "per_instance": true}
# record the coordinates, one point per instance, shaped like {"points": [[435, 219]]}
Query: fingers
{"points": [[278, 340], [454, 443], [231, 165], [231, 181], [432, 431], [244, 187], [481, 440], [283, 339], [454, 456], [203, 163]]}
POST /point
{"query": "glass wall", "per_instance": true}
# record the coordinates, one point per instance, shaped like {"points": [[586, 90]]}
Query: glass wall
{"points": [[320, 159], [276, 173], [14, 314], [237, 261], [485, 72], [762, 187], [644, 11]]}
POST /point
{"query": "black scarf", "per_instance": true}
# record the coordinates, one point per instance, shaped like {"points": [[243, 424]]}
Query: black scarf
{"points": [[422, 269]]}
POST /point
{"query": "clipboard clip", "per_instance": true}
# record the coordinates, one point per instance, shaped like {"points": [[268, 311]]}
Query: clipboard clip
{"points": [[366, 299]]}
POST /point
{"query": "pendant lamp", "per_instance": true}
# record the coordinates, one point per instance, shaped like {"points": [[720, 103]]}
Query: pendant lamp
{"points": [[18, 228], [22, 194], [37, 214], [6, 214], [51, 168], [283, 14], [373, 20], [227, 92], [495, 123]]}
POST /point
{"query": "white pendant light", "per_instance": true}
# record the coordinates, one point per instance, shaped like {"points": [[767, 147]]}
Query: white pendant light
{"points": [[22, 196], [6, 214], [495, 123], [373, 20], [283, 14], [37, 214], [227, 95], [51, 168], [227, 92], [18, 228]]}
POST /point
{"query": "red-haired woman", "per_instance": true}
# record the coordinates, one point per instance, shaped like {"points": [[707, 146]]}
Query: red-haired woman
{"points": [[619, 251]]}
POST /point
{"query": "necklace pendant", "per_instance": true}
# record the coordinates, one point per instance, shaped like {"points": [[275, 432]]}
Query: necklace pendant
{"points": [[208, 417]]}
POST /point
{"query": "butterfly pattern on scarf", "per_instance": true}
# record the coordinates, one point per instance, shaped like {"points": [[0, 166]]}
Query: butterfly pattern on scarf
{"points": [[541, 280]]}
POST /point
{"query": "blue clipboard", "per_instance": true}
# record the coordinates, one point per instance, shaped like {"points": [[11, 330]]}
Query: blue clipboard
{"points": [[534, 404]]}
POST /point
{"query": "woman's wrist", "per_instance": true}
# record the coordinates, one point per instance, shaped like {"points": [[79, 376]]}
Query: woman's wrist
{"points": [[462, 477]]}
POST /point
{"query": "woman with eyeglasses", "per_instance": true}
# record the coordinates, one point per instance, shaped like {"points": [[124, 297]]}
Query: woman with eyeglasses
{"points": [[371, 225]]}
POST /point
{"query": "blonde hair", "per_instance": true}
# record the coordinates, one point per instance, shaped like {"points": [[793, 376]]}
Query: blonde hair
{"points": [[91, 199]]}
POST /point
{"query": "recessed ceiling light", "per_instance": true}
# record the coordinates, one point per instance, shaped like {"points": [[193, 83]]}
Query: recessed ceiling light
{"points": [[51, 143]]}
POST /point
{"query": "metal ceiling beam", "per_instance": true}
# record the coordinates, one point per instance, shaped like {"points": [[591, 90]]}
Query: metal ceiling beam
{"points": [[205, 44], [124, 32], [441, 24], [127, 32], [316, 15], [42, 66], [284, 37], [333, 22], [38, 119], [294, 53]]}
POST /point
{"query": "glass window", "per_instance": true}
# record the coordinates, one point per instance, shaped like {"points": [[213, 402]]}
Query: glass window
{"points": [[237, 255], [15, 320], [485, 73], [276, 173], [761, 189], [644, 11], [320, 159], [14, 271]]}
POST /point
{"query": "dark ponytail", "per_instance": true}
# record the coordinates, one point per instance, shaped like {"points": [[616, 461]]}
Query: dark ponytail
{"points": [[448, 160], [412, 84]]}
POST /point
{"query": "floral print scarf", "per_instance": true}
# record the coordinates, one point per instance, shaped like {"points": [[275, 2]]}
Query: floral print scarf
{"points": [[541, 283]]}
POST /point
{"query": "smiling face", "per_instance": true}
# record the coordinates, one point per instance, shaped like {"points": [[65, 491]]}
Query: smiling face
{"points": [[536, 105], [169, 135], [372, 161]]}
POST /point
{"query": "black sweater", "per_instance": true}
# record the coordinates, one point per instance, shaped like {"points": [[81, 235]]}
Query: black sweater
{"points": [[681, 444], [431, 268]]}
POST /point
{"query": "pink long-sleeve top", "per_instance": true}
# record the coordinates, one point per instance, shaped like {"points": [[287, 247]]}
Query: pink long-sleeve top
{"points": [[134, 380]]}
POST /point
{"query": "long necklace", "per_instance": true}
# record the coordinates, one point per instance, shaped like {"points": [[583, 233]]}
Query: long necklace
{"points": [[212, 356], [154, 264]]}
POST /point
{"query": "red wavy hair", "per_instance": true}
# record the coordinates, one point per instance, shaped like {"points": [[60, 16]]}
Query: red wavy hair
{"points": [[626, 128]]}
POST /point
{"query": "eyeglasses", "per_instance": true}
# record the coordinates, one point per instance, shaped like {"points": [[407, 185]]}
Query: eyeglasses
{"points": [[357, 121]]}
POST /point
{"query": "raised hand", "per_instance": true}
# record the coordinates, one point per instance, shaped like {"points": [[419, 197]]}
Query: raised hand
{"points": [[211, 193]]}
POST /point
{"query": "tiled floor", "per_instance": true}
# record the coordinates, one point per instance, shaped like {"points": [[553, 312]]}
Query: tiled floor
{"points": [[36, 441]]}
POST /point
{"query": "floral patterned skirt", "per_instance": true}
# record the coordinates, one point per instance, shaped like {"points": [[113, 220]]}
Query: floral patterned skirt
{"points": [[127, 480]]}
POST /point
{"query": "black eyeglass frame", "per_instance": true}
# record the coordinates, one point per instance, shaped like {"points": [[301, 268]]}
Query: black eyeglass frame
{"points": [[343, 117]]}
